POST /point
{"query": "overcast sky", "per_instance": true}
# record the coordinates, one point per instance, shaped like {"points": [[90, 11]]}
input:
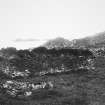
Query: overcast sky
{"points": [[29, 23]]}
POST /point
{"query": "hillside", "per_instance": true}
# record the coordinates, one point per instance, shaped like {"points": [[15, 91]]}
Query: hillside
{"points": [[92, 41], [57, 73], [57, 43], [97, 40]]}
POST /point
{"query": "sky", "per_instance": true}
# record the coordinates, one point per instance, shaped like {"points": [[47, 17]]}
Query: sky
{"points": [[30, 23]]}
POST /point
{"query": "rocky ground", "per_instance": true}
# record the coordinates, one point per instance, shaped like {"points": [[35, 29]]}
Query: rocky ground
{"points": [[74, 88], [84, 85]]}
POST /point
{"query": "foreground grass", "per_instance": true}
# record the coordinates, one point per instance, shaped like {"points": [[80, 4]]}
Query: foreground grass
{"points": [[75, 88]]}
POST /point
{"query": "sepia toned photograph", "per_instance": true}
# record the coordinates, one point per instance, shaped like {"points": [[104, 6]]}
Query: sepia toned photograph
{"points": [[52, 52]]}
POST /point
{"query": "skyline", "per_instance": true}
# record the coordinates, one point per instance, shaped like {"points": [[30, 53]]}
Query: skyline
{"points": [[30, 23]]}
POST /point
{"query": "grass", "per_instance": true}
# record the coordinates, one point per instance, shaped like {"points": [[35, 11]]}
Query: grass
{"points": [[82, 88]]}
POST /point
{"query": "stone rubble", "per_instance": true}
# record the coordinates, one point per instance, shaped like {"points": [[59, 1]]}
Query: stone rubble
{"points": [[25, 89]]}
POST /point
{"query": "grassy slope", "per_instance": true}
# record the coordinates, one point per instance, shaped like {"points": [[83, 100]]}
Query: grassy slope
{"points": [[69, 89]]}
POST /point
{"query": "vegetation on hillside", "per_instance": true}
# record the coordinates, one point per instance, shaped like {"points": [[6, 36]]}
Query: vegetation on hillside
{"points": [[57, 76]]}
